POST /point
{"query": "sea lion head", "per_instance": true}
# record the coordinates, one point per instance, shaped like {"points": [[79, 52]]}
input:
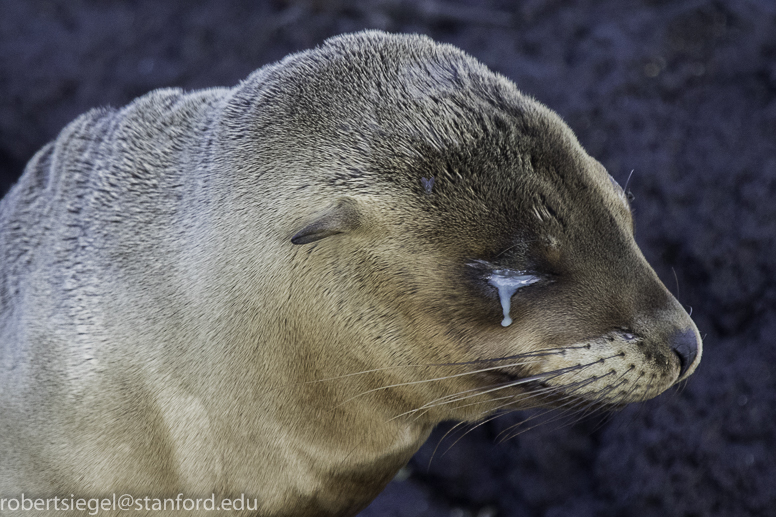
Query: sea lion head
{"points": [[485, 258]]}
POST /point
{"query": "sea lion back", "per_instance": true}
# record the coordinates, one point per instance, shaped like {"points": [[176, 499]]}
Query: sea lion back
{"points": [[90, 223]]}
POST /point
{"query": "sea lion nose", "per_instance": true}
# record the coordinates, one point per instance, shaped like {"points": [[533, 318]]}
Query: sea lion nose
{"points": [[685, 344]]}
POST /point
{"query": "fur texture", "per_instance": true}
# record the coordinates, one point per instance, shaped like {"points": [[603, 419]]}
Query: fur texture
{"points": [[278, 289]]}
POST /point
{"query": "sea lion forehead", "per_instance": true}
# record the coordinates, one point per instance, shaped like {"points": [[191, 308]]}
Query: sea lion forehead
{"points": [[399, 55], [429, 116], [380, 71]]}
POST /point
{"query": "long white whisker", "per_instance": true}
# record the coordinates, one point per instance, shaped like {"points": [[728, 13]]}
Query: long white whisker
{"points": [[476, 392], [571, 402], [535, 354], [435, 379], [524, 396], [459, 424]]}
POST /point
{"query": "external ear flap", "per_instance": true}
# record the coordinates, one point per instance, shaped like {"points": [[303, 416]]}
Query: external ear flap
{"points": [[340, 218]]}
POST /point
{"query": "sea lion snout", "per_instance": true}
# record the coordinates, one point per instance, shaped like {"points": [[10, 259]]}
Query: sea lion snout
{"points": [[686, 344]]}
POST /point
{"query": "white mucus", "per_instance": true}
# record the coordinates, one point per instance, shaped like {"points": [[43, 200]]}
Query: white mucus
{"points": [[508, 282]]}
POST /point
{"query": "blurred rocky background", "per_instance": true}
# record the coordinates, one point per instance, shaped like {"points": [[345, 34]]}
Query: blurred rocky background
{"points": [[682, 93]]}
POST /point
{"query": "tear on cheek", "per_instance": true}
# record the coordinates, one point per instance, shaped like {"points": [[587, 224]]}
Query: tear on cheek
{"points": [[508, 282]]}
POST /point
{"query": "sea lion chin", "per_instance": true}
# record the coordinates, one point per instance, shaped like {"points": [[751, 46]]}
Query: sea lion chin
{"points": [[279, 289]]}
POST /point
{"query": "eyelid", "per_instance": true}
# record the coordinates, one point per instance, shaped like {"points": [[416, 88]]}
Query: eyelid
{"points": [[509, 278], [506, 277]]}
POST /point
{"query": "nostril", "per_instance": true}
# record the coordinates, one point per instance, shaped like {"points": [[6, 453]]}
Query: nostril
{"points": [[685, 344]]}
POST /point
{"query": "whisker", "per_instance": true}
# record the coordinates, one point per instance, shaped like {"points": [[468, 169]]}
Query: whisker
{"points": [[473, 372], [624, 396], [509, 248], [449, 399], [640, 411], [627, 182], [605, 418], [676, 279], [574, 405], [681, 387], [477, 425], [534, 354], [537, 353], [435, 379], [521, 398], [573, 402], [505, 433], [569, 393], [619, 381], [479, 391], [456, 397], [639, 408], [459, 424], [519, 428], [580, 411]]}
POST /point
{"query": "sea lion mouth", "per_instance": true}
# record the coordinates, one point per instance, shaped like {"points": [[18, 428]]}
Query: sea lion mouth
{"points": [[593, 375]]}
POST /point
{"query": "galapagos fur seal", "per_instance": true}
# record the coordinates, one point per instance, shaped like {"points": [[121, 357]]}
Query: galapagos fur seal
{"points": [[279, 289]]}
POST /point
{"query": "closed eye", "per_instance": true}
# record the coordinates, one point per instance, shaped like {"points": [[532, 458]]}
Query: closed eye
{"points": [[507, 282]]}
